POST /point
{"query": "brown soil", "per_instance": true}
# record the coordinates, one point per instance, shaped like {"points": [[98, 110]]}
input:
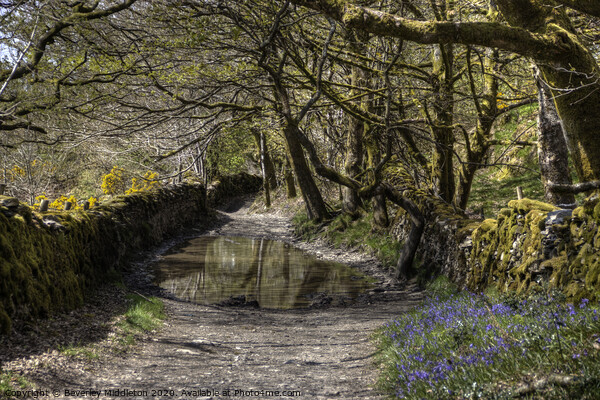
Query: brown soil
{"points": [[323, 352]]}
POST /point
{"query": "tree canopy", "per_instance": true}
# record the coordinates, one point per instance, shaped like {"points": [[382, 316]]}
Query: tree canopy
{"points": [[376, 97]]}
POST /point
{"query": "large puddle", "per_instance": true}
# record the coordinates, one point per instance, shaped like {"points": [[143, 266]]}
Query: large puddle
{"points": [[213, 269]]}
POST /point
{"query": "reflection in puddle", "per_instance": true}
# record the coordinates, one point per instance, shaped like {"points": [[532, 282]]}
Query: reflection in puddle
{"points": [[211, 269]]}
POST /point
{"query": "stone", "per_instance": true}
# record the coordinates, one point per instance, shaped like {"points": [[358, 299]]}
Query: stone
{"points": [[558, 217], [9, 202]]}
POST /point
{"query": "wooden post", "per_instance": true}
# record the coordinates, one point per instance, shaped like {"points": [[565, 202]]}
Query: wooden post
{"points": [[44, 205], [68, 205], [2, 188], [519, 193], [86, 206]]}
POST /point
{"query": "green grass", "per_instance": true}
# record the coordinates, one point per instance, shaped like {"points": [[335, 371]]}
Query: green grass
{"points": [[343, 231], [495, 186], [79, 351], [143, 314], [493, 193], [9, 382], [461, 345]]}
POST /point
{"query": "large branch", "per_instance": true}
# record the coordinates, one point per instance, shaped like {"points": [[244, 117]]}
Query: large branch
{"points": [[488, 34], [575, 187], [79, 14], [591, 7]]}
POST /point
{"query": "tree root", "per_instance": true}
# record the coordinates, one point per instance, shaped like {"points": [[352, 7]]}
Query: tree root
{"points": [[541, 383]]}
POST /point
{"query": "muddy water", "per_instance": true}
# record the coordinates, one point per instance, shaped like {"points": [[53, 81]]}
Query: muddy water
{"points": [[213, 269]]}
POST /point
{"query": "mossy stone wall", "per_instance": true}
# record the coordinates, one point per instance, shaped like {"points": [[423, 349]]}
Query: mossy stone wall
{"points": [[446, 243], [49, 260], [529, 246], [230, 186]]}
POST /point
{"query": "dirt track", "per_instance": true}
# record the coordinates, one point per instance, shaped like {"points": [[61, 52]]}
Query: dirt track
{"points": [[204, 351]]}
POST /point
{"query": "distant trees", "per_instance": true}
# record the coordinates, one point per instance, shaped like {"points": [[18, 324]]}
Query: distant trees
{"points": [[376, 96]]}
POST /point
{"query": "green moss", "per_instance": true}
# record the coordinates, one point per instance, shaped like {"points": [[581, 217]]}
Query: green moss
{"points": [[467, 230], [487, 225], [592, 277], [44, 270], [558, 263], [596, 212], [526, 205], [589, 205], [578, 212]]}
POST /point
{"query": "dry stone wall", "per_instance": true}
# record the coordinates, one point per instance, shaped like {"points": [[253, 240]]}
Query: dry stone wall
{"points": [[530, 246], [49, 260]]}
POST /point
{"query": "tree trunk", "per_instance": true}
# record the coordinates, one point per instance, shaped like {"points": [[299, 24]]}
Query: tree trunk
{"points": [[265, 159], [315, 205], [263, 167], [380, 213], [552, 148], [409, 249], [487, 110], [579, 111], [356, 128], [288, 176], [442, 173]]}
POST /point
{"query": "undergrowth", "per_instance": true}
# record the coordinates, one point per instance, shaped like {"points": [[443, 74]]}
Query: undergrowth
{"points": [[476, 346], [344, 231], [143, 315], [10, 382], [79, 351]]}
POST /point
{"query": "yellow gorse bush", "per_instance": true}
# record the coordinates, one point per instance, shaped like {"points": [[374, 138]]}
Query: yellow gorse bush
{"points": [[147, 182], [35, 168], [112, 183], [15, 173], [59, 204]]}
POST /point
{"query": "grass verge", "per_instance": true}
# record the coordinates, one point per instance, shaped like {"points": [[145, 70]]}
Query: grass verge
{"points": [[10, 382], [72, 350], [343, 231], [143, 315], [462, 345]]}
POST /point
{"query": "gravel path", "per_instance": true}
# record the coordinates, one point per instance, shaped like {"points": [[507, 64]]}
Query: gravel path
{"points": [[220, 352]]}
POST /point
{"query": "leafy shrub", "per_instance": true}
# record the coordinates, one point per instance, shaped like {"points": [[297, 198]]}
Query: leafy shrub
{"points": [[112, 183]]}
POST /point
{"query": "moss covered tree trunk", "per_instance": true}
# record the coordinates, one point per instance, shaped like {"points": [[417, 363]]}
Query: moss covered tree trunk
{"points": [[356, 127], [313, 200], [442, 120], [552, 148], [572, 75]]}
